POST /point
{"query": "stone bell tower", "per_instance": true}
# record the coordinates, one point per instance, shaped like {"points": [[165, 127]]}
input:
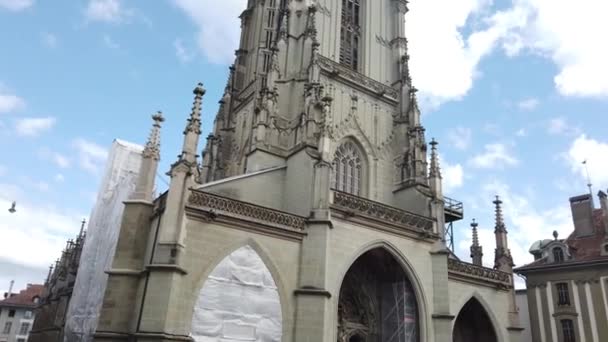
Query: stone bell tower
{"points": [[308, 75]]}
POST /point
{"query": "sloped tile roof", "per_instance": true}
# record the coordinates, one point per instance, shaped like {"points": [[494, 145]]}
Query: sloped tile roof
{"points": [[24, 297]]}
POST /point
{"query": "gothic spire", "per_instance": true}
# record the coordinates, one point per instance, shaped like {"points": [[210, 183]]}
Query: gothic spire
{"points": [[50, 274], [503, 260], [152, 148], [500, 222], [193, 128], [435, 170], [144, 189], [476, 249], [81, 234]]}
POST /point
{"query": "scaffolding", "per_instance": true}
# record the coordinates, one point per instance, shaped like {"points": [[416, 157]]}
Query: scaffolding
{"points": [[453, 211]]}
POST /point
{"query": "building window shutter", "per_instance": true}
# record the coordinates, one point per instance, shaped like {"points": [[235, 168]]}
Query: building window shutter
{"points": [[350, 33]]}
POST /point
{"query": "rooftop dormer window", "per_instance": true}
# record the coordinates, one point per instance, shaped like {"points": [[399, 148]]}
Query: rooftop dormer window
{"points": [[558, 254]]}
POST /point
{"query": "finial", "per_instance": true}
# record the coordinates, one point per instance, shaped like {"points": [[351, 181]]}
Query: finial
{"points": [[194, 122], [500, 222], [48, 277], [12, 209], [474, 225], [555, 234], [81, 234], [152, 148], [434, 168]]}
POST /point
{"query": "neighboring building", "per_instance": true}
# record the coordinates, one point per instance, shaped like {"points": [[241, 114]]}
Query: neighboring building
{"points": [[314, 215], [52, 309], [17, 313], [521, 298], [117, 184], [568, 280]]}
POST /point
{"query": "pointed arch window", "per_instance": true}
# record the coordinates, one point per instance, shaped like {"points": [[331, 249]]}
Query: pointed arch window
{"points": [[350, 33], [348, 169]]}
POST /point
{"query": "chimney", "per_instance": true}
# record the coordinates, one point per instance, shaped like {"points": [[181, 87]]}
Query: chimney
{"points": [[582, 215], [10, 290], [604, 204]]}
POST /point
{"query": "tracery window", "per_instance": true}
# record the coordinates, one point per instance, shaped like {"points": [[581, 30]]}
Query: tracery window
{"points": [[347, 169], [558, 254], [350, 33]]}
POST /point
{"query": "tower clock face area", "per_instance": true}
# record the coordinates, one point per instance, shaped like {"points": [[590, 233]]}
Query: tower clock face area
{"points": [[377, 302]]}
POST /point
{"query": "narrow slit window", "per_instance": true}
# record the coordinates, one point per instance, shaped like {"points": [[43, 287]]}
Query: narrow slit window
{"points": [[350, 33]]}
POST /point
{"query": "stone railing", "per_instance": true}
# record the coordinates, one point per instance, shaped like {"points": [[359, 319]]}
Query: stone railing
{"points": [[224, 205], [479, 273], [380, 211], [357, 78]]}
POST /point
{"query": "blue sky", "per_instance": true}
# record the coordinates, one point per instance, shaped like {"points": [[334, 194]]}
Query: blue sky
{"points": [[516, 92]]}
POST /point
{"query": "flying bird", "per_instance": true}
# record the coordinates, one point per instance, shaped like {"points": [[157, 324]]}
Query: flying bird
{"points": [[12, 209]]}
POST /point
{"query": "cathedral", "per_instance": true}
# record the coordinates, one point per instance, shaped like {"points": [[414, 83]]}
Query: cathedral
{"points": [[315, 212]]}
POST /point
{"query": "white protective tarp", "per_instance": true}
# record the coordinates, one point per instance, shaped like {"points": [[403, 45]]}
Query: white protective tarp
{"points": [[117, 184], [238, 302]]}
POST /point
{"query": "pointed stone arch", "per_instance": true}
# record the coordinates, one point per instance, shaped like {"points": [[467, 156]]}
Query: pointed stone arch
{"points": [[271, 294], [409, 273], [475, 322]]}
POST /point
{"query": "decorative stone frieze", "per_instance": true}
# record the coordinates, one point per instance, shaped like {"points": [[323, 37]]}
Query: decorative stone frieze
{"points": [[363, 206], [222, 204], [348, 74], [478, 273]]}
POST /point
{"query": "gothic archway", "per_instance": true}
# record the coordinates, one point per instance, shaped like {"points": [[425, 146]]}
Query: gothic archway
{"points": [[238, 301], [473, 324], [377, 302]]}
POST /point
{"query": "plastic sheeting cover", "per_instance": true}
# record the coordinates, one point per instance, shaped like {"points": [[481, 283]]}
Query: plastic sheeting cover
{"points": [[238, 302], [117, 185]]}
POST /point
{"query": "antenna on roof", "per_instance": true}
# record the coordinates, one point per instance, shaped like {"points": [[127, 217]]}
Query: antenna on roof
{"points": [[589, 185]]}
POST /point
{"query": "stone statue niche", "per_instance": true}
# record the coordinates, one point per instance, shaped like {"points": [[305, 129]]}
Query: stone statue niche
{"points": [[377, 302]]}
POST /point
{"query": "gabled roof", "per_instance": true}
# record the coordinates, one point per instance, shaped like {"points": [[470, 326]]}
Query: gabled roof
{"points": [[25, 298]]}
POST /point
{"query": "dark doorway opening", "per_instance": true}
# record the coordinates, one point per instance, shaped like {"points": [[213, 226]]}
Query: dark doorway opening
{"points": [[473, 324]]}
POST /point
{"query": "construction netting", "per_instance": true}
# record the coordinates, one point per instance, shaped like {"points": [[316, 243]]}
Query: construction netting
{"points": [[103, 229], [239, 301]]}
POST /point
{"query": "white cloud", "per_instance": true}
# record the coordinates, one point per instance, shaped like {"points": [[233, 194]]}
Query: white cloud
{"points": [[495, 156], [109, 11], [596, 154], [460, 137], [522, 132], [444, 62], [57, 158], [59, 178], [218, 25], [50, 40], [10, 102], [568, 35], [42, 228], [16, 5], [561, 126], [91, 155], [34, 126], [182, 53], [109, 42], [528, 104], [453, 176]]}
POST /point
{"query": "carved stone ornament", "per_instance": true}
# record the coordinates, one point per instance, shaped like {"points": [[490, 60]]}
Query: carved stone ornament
{"points": [[360, 205], [348, 74], [499, 278], [231, 206]]}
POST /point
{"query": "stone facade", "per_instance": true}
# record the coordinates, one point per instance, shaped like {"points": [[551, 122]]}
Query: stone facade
{"points": [[317, 161], [568, 281]]}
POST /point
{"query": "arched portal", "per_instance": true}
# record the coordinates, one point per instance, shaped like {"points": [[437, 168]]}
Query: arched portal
{"points": [[377, 302], [239, 301], [473, 324]]}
